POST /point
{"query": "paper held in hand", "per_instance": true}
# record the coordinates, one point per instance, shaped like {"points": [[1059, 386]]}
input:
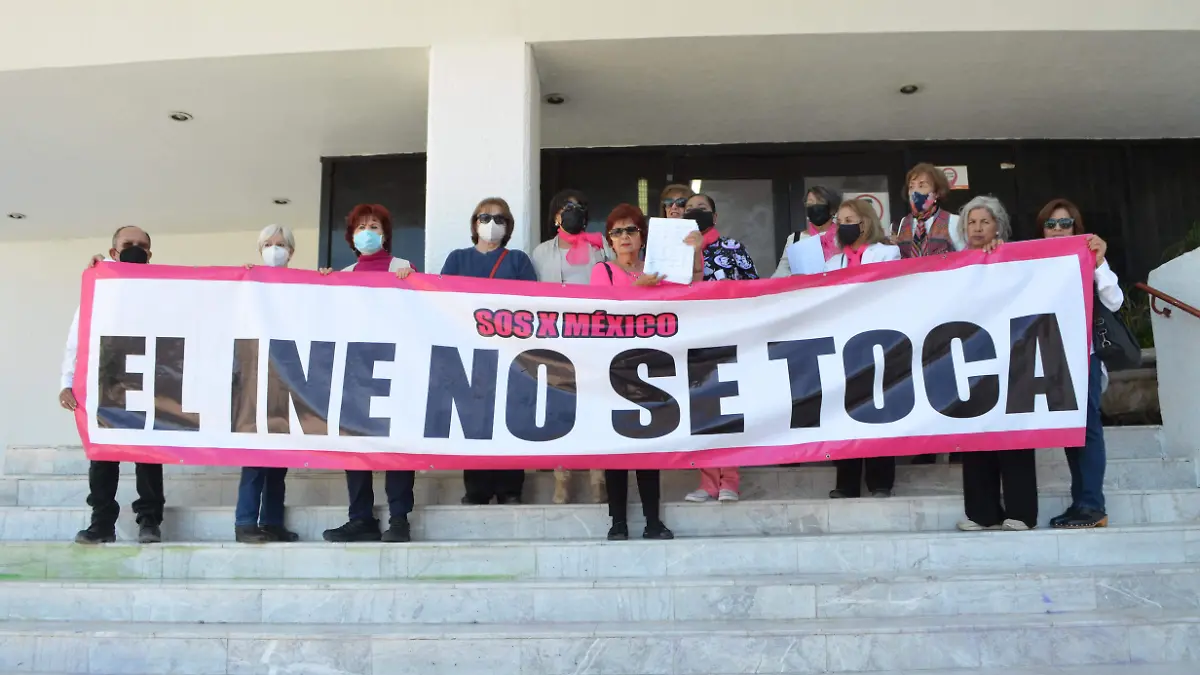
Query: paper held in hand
{"points": [[806, 256], [666, 253]]}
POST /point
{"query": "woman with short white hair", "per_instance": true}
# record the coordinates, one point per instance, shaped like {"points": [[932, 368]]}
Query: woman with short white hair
{"points": [[276, 245], [258, 517], [984, 224]]}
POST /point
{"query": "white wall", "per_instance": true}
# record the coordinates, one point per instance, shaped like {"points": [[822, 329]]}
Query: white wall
{"points": [[1177, 348], [39, 290]]}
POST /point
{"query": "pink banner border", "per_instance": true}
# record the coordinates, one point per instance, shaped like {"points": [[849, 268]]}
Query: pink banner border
{"points": [[739, 456]]}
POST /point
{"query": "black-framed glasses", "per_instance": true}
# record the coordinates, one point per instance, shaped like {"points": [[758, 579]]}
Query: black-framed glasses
{"points": [[617, 232], [499, 218], [574, 206], [678, 202], [1060, 224]]}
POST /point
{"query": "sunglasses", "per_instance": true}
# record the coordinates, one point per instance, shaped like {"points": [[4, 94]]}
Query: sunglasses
{"points": [[1060, 224], [678, 202], [499, 219], [622, 231]]}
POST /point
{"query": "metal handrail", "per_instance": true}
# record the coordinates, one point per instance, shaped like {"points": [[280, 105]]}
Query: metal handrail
{"points": [[1156, 294]]}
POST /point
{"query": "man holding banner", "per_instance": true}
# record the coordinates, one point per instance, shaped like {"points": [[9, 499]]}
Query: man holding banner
{"points": [[130, 244]]}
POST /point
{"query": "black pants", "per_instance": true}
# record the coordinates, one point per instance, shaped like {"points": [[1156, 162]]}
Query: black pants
{"points": [[102, 496], [617, 481], [483, 484], [880, 474], [397, 484], [986, 473]]}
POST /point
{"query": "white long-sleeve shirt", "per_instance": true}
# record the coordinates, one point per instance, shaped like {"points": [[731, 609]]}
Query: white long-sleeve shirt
{"points": [[68, 362]]}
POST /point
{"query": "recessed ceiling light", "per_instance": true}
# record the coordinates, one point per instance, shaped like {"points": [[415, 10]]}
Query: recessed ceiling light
{"points": [[909, 89], [180, 116], [554, 99], [17, 216], [282, 201]]}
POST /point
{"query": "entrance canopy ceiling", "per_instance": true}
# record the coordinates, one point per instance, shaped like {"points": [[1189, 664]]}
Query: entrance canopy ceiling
{"points": [[88, 148]]}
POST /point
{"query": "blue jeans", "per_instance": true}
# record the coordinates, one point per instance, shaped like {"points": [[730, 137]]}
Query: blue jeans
{"points": [[1087, 464], [397, 484], [260, 497]]}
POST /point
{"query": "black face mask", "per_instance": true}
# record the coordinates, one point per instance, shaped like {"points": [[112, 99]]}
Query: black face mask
{"points": [[704, 219], [134, 254], [818, 214], [848, 233], [574, 221]]}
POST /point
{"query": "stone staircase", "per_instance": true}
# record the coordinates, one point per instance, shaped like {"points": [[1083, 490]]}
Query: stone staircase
{"points": [[785, 581]]}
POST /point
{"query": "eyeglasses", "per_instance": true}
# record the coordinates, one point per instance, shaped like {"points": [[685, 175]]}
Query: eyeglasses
{"points": [[617, 232], [499, 218], [678, 202], [574, 206], [1060, 224]]}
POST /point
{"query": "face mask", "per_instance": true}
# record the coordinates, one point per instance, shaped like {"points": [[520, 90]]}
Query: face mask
{"points": [[920, 201], [848, 233], [490, 232], [818, 214], [275, 256], [704, 219], [134, 254], [574, 221], [368, 241]]}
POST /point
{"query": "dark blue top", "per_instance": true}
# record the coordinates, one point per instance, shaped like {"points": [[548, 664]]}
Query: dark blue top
{"points": [[469, 262]]}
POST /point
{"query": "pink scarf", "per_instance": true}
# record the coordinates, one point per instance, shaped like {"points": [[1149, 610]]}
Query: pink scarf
{"points": [[711, 236], [829, 243], [379, 261], [581, 245], [854, 257]]}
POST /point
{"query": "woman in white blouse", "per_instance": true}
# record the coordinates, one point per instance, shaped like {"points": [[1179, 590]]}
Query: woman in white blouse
{"points": [[820, 206], [1061, 218]]}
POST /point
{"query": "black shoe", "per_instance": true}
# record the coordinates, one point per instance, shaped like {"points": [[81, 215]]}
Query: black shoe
{"points": [[838, 494], [468, 500], [657, 530], [354, 530], [398, 531], [278, 533], [250, 534], [510, 499], [96, 534], [1059, 521], [881, 494], [925, 459], [149, 534], [1084, 519], [619, 531]]}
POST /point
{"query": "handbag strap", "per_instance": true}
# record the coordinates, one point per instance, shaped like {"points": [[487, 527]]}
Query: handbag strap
{"points": [[610, 276], [496, 267]]}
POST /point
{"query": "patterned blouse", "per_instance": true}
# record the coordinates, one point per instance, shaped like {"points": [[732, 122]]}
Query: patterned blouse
{"points": [[727, 258]]}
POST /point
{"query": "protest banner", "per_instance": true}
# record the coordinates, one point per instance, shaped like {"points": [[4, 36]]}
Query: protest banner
{"points": [[278, 367]]}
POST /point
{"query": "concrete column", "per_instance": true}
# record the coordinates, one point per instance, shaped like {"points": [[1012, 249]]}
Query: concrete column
{"points": [[483, 141], [1175, 341]]}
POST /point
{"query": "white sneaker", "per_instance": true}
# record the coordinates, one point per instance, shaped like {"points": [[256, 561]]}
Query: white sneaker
{"points": [[972, 526], [727, 496], [1011, 525], [698, 496]]}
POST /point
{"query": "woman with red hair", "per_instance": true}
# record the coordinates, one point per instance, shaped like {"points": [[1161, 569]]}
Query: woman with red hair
{"points": [[369, 233], [625, 232]]}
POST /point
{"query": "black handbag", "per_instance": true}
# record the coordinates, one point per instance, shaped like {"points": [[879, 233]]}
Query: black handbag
{"points": [[1114, 343]]}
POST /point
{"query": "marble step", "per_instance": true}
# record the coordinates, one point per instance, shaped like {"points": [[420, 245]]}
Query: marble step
{"points": [[495, 522], [1135, 442], [677, 648], [814, 596], [328, 488], [1181, 668], [862, 554]]}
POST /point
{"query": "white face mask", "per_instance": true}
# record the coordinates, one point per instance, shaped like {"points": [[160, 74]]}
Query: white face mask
{"points": [[490, 231], [275, 256]]}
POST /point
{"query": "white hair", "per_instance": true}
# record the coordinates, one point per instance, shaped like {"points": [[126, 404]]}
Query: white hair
{"points": [[992, 206], [289, 240]]}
